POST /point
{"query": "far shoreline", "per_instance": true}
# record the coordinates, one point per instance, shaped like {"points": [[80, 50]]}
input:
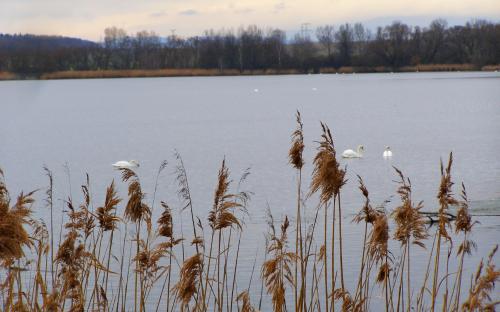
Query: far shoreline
{"points": [[198, 72]]}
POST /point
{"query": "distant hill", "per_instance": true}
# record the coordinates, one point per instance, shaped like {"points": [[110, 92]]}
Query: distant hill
{"points": [[27, 42]]}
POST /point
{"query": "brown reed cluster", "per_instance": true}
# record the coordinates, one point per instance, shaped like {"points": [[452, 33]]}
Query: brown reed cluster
{"points": [[114, 258]]}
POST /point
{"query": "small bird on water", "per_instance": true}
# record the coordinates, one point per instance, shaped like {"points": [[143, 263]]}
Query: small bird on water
{"points": [[387, 152]]}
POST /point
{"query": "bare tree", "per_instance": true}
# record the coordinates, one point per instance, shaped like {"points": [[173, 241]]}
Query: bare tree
{"points": [[326, 36]]}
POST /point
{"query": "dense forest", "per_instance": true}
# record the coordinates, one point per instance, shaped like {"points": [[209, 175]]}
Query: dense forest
{"points": [[254, 48]]}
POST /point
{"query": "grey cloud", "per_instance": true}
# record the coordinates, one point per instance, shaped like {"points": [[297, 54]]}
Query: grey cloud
{"points": [[189, 12], [158, 14]]}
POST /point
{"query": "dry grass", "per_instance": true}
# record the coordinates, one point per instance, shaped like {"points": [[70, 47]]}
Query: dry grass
{"points": [[168, 72], [195, 72], [491, 68], [8, 76], [415, 68], [197, 269]]}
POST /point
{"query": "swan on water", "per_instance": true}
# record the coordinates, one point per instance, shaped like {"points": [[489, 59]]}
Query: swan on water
{"points": [[126, 164], [349, 153], [387, 152]]}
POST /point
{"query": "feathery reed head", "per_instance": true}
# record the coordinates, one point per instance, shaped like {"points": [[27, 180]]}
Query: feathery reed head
{"points": [[297, 148], [379, 237], [189, 278], [13, 235], [383, 273], [277, 270], [327, 174], [135, 210], [367, 213], [246, 306], [480, 293], [409, 222], [106, 215], [463, 222], [165, 222], [445, 197], [222, 214]]}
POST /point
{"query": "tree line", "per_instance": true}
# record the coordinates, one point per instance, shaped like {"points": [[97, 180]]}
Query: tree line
{"points": [[255, 48]]}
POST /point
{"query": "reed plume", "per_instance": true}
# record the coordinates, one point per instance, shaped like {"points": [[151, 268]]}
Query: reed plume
{"points": [[222, 216], [368, 215], [328, 178], [296, 160], [277, 270], [71, 256], [106, 214], [13, 220], [165, 229], [295, 153], [410, 229], [13, 238], [480, 292], [246, 305], [463, 224], [136, 210], [446, 199], [190, 275]]}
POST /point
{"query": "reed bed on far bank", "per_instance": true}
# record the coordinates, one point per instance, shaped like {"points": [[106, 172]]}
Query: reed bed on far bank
{"points": [[8, 76], [201, 72], [409, 69], [116, 257], [167, 72]]}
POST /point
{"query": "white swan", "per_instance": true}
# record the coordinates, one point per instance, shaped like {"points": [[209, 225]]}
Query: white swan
{"points": [[387, 152], [349, 153], [126, 164]]}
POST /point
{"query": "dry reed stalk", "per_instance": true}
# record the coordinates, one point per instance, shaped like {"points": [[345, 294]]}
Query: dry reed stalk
{"points": [[328, 178], [106, 216], [13, 238], [40, 239], [410, 227], [166, 225], [277, 271], [50, 203], [297, 161], [479, 298], [184, 194], [464, 224], [189, 279], [244, 198], [445, 197], [368, 215], [221, 217], [246, 305], [136, 211]]}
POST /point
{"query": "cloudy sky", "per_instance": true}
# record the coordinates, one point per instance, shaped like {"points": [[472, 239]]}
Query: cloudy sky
{"points": [[88, 18]]}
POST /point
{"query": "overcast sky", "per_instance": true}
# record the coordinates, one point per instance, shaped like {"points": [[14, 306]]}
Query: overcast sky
{"points": [[88, 18]]}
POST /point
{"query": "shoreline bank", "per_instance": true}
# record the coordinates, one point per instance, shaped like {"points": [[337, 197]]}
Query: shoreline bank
{"points": [[197, 72]]}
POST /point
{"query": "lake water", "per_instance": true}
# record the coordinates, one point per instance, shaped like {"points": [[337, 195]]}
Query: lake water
{"points": [[86, 125]]}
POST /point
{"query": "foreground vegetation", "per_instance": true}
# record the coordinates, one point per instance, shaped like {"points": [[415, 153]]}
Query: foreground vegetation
{"points": [[83, 265], [253, 48]]}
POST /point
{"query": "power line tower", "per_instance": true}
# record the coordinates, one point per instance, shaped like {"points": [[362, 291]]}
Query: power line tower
{"points": [[304, 30]]}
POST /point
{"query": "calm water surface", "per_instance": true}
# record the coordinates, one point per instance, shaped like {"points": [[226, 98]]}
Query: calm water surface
{"points": [[88, 124]]}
